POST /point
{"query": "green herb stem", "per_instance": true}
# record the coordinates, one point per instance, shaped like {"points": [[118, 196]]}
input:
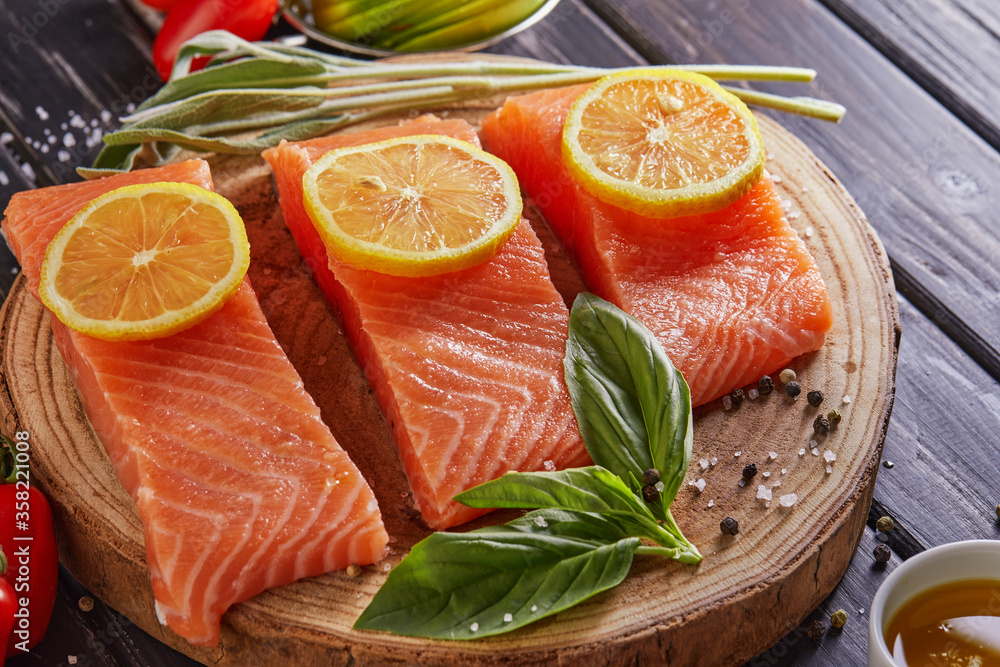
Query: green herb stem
{"points": [[803, 106]]}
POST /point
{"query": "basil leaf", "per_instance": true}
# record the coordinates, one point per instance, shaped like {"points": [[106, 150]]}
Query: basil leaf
{"points": [[633, 407], [565, 523], [467, 585]]}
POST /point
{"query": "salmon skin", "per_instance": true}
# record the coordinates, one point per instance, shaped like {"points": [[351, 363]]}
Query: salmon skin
{"points": [[731, 295], [239, 484], [466, 366]]}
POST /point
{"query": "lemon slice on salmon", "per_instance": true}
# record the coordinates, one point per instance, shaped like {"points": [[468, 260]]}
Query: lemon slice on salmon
{"points": [[662, 143], [412, 206], [145, 261]]}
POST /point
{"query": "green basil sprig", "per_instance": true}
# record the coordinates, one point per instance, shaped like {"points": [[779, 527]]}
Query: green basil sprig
{"points": [[634, 411]]}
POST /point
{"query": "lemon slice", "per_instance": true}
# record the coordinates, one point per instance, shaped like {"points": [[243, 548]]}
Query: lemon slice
{"points": [[662, 143], [145, 261], [412, 206]]}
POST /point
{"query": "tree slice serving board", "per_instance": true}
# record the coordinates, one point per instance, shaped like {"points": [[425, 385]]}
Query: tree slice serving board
{"points": [[749, 591]]}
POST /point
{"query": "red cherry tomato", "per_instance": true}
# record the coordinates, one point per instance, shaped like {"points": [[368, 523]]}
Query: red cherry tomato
{"points": [[162, 5], [248, 19]]}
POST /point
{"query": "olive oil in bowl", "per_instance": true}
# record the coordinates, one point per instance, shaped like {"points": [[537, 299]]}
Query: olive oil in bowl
{"points": [[955, 624]]}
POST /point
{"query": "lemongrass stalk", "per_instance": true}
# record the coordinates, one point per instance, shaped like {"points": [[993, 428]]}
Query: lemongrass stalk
{"points": [[803, 106]]}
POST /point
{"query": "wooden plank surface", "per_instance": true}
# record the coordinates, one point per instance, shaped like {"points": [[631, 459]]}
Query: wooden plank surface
{"points": [[950, 47], [923, 177]]}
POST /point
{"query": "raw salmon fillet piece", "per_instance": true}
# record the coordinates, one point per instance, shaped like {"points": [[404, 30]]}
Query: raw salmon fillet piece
{"points": [[239, 484], [731, 295], [466, 366]]}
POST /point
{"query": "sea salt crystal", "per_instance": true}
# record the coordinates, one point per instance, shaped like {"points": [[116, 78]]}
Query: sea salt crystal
{"points": [[534, 607], [772, 455], [700, 485], [4, 178], [788, 499], [541, 522], [507, 618], [770, 156], [549, 465], [776, 178], [659, 486], [802, 452], [63, 156], [36, 144], [6, 137], [752, 394], [42, 113], [28, 171], [14, 270], [767, 474], [738, 454], [130, 107], [813, 443], [794, 215], [763, 493], [77, 122], [95, 138], [105, 116], [829, 469], [847, 399], [815, 451], [787, 203], [767, 504], [776, 484], [805, 189], [69, 140], [742, 483], [94, 122], [52, 139], [63, 126], [386, 567], [704, 464], [809, 231], [45, 148], [46, 132], [727, 402], [715, 460], [711, 503], [474, 627], [829, 456]]}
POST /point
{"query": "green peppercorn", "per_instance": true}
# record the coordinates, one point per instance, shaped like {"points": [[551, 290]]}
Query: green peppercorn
{"points": [[885, 524], [650, 494], [765, 385], [816, 630], [786, 375], [793, 389], [834, 417], [650, 476], [737, 396], [882, 553], [353, 570], [749, 471], [814, 397], [821, 425], [838, 619], [729, 526]]}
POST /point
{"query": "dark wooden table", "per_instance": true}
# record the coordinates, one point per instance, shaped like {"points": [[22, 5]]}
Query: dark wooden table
{"points": [[918, 150]]}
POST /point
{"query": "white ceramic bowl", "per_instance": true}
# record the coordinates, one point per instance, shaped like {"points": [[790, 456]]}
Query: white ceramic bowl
{"points": [[975, 559]]}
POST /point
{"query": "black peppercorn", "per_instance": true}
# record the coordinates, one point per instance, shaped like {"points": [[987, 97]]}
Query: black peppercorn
{"points": [[729, 526], [821, 425], [888, 464], [737, 396], [650, 494], [882, 553], [650, 476], [749, 471], [815, 397], [793, 389], [765, 385], [816, 630]]}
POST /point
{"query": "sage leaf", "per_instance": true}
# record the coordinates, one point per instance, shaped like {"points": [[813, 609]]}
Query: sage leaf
{"points": [[492, 580], [218, 106], [633, 407]]}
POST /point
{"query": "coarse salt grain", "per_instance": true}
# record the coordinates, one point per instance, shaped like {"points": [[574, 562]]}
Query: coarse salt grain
{"points": [[105, 116], [776, 178], [766, 474], [63, 156], [742, 483], [541, 522], [752, 394], [94, 122], [45, 148], [802, 452], [815, 451], [794, 215], [829, 469], [6, 137], [27, 170], [700, 485], [42, 113], [847, 399], [813, 443], [130, 107], [784, 470], [77, 121], [386, 567], [711, 503], [776, 484], [52, 139], [534, 607], [763, 493], [704, 464], [4, 178], [69, 140], [727, 402], [738, 454], [474, 627], [507, 618], [809, 231], [788, 499], [787, 203], [549, 465], [829, 456], [770, 156], [659, 486], [772, 455], [715, 460]]}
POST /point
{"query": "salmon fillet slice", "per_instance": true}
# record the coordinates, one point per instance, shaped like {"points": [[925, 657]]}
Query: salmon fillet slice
{"points": [[239, 484], [731, 295], [466, 366]]}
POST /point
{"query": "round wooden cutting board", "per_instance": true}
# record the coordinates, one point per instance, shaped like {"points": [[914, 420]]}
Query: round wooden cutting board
{"points": [[748, 592]]}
